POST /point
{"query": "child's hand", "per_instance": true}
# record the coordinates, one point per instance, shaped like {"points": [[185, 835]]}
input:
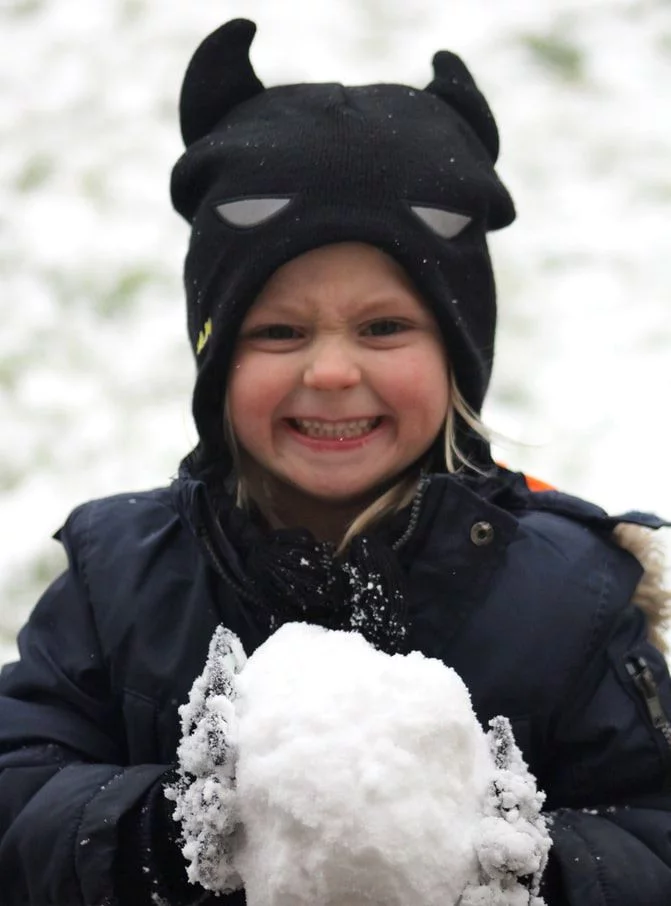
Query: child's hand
{"points": [[205, 791], [513, 843]]}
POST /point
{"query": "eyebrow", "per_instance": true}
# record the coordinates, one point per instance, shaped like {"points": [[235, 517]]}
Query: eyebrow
{"points": [[367, 308]]}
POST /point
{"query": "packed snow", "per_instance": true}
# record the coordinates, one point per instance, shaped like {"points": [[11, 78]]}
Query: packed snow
{"points": [[323, 772]]}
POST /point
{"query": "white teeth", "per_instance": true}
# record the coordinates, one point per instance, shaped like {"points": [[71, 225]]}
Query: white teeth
{"points": [[314, 428]]}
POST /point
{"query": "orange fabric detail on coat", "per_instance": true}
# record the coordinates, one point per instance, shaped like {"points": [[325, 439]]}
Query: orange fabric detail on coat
{"points": [[535, 484]]}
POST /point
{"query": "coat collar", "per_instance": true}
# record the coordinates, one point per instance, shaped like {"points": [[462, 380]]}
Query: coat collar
{"points": [[455, 553]]}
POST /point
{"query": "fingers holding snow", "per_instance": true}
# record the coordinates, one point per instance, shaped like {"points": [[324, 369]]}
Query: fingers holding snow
{"points": [[513, 842], [204, 795], [212, 742], [329, 773]]}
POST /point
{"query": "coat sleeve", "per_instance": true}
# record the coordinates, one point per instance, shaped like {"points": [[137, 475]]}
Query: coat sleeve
{"points": [[609, 777], [70, 804]]}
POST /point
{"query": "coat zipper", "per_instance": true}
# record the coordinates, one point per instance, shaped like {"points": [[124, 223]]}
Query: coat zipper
{"points": [[415, 509], [644, 680]]}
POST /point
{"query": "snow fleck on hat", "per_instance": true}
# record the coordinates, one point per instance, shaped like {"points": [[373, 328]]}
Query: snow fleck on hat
{"points": [[270, 173]]}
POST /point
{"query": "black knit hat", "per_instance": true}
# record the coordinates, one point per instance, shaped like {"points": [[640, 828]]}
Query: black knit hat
{"points": [[271, 173]]}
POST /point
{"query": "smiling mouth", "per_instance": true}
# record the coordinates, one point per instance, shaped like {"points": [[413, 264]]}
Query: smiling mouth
{"points": [[335, 430]]}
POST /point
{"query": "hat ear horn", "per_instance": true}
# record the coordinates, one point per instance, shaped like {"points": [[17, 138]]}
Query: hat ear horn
{"points": [[454, 84], [219, 76]]}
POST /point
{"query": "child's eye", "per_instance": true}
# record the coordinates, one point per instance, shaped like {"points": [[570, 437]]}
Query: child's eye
{"points": [[385, 328], [274, 332]]}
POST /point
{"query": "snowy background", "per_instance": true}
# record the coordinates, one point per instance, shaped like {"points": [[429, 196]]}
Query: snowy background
{"points": [[95, 370]]}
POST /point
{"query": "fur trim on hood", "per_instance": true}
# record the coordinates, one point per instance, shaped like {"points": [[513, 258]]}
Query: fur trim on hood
{"points": [[651, 595]]}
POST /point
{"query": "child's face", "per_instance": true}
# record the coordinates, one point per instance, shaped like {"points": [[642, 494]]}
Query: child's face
{"points": [[339, 378]]}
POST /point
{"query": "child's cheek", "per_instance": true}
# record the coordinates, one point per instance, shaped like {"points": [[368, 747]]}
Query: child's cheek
{"points": [[418, 378], [257, 385]]}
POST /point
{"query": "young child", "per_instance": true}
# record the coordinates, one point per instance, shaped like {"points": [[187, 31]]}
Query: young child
{"points": [[341, 307]]}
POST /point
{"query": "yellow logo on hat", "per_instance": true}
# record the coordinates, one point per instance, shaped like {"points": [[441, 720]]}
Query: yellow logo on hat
{"points": [[204, 336]]}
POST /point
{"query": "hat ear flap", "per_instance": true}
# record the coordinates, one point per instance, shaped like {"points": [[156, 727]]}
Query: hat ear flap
{"points": [[219, 76], [454, 84]]}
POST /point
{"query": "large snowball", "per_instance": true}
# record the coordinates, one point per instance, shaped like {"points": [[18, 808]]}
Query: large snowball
{"points": [[361, 777]]}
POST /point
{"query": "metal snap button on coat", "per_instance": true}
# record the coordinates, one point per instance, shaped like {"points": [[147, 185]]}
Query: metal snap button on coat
{"points": [[482, 533]]}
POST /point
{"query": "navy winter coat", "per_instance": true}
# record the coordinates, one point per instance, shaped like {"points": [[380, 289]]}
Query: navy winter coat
{"points": [[525, 595]]}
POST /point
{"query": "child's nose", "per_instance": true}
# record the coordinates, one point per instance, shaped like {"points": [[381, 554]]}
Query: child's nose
{"points": [[331, 367]]}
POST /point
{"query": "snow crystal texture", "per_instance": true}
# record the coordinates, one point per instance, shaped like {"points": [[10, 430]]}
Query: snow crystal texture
{"points": [[322, 772], [364, 778], [204, 795]]}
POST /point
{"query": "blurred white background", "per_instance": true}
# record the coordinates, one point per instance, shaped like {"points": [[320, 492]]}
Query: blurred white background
{"points": [[95, 370]]}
